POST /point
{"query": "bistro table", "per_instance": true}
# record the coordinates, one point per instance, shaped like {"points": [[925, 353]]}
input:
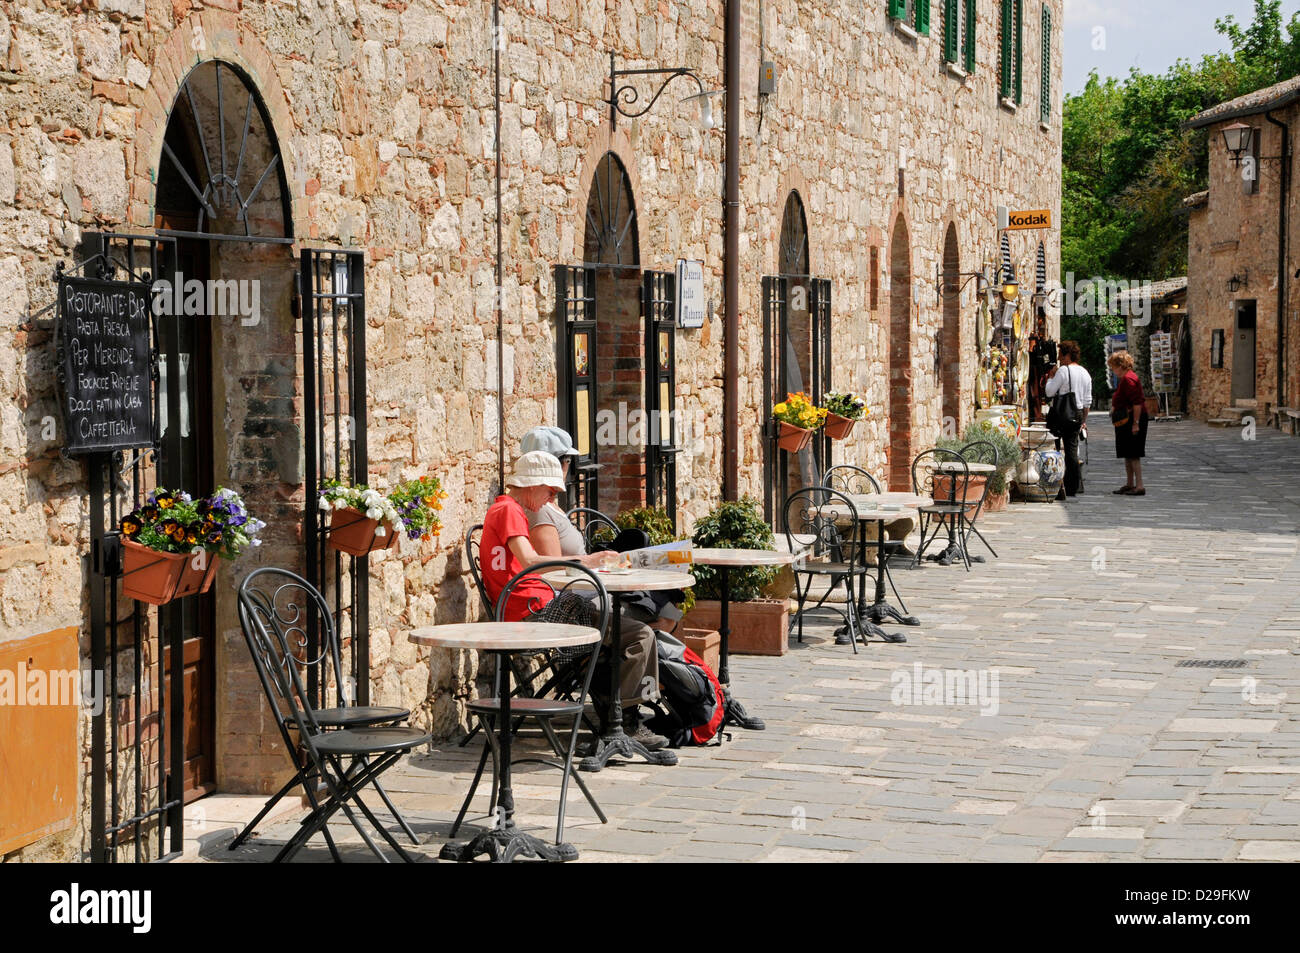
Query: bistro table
{"points": [[880, 508], [617, 582], [954, 550], [505, 841], [724, 560]]}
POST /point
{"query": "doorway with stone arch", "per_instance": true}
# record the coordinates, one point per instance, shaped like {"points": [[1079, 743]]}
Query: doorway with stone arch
{"points": [[222, 196], [948, 350], [796, 353], [901, 450]]}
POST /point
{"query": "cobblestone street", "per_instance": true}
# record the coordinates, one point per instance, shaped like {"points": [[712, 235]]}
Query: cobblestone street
{"points": [[1102, 739]]}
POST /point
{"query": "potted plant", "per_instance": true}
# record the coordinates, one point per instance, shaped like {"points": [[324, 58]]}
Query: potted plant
{"points": [[659, 529], [1008, 449], [758, 626], [363, 520], [170, 543], [797, 418], [842, 412]]}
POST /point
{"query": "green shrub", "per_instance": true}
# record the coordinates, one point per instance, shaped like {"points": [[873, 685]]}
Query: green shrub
{"points": [[734, 525], [653, 521]]}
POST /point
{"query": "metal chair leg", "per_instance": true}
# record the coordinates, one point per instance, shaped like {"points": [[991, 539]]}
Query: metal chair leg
{"points": [[266, 808]]}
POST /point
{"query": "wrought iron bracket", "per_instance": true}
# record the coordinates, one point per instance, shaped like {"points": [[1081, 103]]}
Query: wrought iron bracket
{"points": [[626, 95]]}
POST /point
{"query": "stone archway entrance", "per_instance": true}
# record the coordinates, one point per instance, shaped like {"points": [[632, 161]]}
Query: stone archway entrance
{"points": [[948, 353], [901, 450], [222, 195]]}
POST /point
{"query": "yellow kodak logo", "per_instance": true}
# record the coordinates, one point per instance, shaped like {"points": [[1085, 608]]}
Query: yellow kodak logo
{"points": [[1038, 218]]}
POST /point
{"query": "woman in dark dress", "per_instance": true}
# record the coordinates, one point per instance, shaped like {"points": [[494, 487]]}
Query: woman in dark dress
{"points": [[1128, 413]]}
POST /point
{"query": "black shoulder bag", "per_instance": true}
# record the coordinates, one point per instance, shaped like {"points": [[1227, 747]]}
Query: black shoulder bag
{"points": [[1064, 416]]}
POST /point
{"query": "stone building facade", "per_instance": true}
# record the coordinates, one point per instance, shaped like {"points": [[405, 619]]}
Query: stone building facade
{"points": [[382, 115], [1239, 353]]}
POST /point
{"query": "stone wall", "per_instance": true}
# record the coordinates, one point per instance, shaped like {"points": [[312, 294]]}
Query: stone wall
{"points": [[383, 113]]}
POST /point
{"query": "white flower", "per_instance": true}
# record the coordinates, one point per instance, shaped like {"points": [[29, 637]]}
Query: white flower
{"points": [[340, 504], [375, 513], [380, 531]]}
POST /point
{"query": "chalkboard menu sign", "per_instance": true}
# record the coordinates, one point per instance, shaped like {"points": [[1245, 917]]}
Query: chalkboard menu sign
{"points": [[104, 342]]}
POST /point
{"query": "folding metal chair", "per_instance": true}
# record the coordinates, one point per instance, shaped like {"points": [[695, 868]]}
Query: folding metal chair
{"points": [[328, 665], [810, 519], [552, 706], [935, 474], [978, 451], [346, 748], [852, 480]]}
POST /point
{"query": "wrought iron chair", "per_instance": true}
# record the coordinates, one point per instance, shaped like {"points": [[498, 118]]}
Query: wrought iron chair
{"points": [[475, 569], [554, 705], [935, 474], [979, 451], [815, 517], [592, 524], [346, 747], [852, 480]]}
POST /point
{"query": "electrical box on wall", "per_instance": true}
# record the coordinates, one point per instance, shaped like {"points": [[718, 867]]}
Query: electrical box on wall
{"points": [[767, 78]]}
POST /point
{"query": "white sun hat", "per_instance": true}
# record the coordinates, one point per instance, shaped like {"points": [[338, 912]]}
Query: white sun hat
{"points": [[554, 440], [537, 468]]}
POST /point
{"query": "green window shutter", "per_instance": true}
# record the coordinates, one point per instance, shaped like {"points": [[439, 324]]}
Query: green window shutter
{"points": [[1004, 64], [898, 9], [1045, 107], [970, 36], [950, 31], [1020, 49], [923, 17]]}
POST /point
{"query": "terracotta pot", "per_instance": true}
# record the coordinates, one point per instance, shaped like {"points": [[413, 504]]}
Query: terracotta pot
{"points": [[354, 533], [761, 627], [195, 581], [706, 643], [995, 503], [149, 575], [970, 493], [792, 439], [1153, 406], [837, 427]]}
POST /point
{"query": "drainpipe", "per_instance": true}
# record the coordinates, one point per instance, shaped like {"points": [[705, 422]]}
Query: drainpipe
{"points": [[1284, 197], [496, 141], [731, 261]]}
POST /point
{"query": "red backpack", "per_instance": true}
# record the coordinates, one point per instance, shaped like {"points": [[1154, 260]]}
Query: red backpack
{"points": [[691, 704]]}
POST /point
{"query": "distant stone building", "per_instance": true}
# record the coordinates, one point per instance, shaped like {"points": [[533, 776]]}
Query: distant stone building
{"points": [[1242, 355], [343, 157]]}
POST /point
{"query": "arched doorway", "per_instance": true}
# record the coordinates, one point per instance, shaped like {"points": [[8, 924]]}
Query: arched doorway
{"points": [[900, 357], [948, 351], [796, 353], [606, 355], [223, 199]]}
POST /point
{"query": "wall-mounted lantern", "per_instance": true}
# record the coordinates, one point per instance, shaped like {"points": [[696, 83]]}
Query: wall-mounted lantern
{"points": [[1237, 140]]}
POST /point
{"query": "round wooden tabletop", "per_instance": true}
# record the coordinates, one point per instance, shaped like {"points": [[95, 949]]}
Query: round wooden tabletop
{"points": [[741, 557], [504, 636], [626, 580]]}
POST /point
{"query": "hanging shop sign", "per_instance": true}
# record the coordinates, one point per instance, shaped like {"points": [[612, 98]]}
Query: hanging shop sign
{"points": [[104, 362], [690, 293], [1035, 218]]}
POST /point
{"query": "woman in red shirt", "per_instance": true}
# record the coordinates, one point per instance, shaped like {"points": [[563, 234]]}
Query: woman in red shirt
{"points": [[1128, 413]]}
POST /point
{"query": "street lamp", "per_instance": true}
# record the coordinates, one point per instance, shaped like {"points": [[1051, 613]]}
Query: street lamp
{"points": [[1010, 288], [623, 96], [1237, 140], [1235, 283]]}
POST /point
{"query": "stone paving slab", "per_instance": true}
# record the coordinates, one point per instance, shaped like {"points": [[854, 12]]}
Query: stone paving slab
{"points": [[1092, 745]]}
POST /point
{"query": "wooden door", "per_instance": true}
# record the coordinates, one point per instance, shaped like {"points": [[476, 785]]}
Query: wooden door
{"points": [[1243, 353]]}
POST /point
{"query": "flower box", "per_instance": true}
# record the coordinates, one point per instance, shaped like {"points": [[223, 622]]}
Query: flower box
{"points": [[760, 627], [792, 439], [837, 427], [354, 533], [149, 575], [706, 643]]}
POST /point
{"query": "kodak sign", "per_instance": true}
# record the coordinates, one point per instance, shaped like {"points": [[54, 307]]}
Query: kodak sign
{"points": [[1038, 218]]}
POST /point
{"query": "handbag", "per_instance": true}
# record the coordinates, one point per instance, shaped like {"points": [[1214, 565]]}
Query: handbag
{"points": [[1064, 416], [1119, 416]]}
